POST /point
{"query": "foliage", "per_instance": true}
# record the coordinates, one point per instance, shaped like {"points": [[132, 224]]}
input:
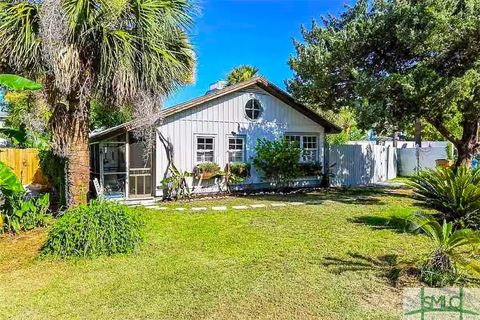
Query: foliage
{"points": [[345, 118], [18, 212], [277, 160], [456, 194], [27, 119], [21, 213], [207, 167], [52, 167], [311, 169], [9, 183], [241, 74], [17, 83], [175, 186], [442, 265], [394, 61], [120, 53], [239, 169], [103, 116], [99, 228]]}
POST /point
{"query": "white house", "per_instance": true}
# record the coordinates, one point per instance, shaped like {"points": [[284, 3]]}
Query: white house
{"points": [[222, 126]]}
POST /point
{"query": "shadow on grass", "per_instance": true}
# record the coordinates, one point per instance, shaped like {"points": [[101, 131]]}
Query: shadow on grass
{"points": [[395, 223], [386, 266], [358, 196]]}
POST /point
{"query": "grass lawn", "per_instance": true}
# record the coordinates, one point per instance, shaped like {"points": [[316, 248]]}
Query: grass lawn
{"points": [[327, 259]]}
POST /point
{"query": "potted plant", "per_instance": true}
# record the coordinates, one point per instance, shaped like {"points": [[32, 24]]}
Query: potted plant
{"points": [[444, 163], [240, 170], [206, 170]]}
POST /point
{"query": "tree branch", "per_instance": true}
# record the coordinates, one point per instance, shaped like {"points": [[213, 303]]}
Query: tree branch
{"points": [[443, 130]]}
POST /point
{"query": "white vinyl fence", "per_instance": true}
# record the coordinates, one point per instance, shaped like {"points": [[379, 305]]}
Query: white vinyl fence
{"points": [[366, 163], [412, 160], [362, 164]]}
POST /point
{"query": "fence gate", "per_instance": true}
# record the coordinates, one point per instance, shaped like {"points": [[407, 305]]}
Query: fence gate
{"points": [[362, 164]]}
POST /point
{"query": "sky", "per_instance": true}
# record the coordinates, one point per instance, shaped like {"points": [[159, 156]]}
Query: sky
{"points": [[228, 33]]}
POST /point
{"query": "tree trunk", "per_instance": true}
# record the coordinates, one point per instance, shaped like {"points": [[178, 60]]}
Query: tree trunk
{"points": [[418, 132], [468, 145], [70, 129]]}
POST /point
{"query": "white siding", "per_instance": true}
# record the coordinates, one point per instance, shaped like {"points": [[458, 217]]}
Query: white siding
{"points": [[223, 117]]}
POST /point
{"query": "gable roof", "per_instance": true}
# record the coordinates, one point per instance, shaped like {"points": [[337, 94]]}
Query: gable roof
{"points": [[257, 81]]}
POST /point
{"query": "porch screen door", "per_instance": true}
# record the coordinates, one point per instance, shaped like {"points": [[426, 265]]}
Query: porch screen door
{"points": [[140, 170]]}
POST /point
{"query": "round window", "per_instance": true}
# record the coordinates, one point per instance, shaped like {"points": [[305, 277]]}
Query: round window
{"points": [[253, 109]]}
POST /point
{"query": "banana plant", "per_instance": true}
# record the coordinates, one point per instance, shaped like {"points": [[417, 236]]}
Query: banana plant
{"points": [[17, 83]]}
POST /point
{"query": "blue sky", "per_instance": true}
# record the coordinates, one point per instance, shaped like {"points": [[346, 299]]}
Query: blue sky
{"points": [[228, 33]]}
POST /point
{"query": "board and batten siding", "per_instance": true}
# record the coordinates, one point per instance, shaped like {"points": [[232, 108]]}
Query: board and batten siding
{"points": [[224, 117]]}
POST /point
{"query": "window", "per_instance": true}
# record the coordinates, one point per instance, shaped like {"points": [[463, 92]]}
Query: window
{"points": [[309, 149], [236, 149], [205, 149], [253, 109], [308, 144]]}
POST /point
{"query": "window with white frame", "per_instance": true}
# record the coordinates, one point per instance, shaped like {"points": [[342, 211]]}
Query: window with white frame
{"points": [[205, 149], [308, 144], [236, 149]]}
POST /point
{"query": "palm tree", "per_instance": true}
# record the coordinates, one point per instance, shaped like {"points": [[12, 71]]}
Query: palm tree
{"points": [[448, 242], [120, 52], [241, 73]]}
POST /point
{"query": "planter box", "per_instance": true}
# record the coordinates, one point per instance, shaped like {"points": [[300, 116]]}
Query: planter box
{"points": [[444, 163]]}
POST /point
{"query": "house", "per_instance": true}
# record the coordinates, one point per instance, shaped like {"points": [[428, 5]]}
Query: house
{"points": [[222, 126]]}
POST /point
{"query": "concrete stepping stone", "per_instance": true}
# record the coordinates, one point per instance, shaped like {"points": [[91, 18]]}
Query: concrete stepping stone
{"points": [[297, 203], [278, 205], [240, 207], [221, 208], [258, 206], [156, 208], [180, 209], [199, 208]]}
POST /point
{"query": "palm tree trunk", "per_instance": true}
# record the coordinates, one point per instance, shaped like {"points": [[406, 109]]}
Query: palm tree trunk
{"points": [[70, 139]]}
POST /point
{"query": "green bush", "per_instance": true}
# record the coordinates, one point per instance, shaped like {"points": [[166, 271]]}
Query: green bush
{"points": [[311, 169], [277, 161], [20, 213], [53, 167], [240, 170], [456, 195], [100, 228]]}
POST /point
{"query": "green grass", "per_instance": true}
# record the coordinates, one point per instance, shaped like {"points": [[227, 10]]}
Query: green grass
{"points": [[328, 259]]}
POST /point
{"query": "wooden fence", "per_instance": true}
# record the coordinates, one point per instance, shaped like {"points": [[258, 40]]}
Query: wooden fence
{"points": [[25, 163]]}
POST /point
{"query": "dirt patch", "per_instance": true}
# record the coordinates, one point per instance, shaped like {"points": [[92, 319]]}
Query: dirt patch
{"points": [[22, 249]]}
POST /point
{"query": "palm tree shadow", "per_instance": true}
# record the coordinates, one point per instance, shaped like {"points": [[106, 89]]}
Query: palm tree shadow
{"points": [[386, 266]]}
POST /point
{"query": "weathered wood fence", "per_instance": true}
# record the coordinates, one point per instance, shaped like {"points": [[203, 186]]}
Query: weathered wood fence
{"points": [[25, 163]]}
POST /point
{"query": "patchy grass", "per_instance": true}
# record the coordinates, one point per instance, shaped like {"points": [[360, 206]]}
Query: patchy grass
{"points": [[330, 259]]}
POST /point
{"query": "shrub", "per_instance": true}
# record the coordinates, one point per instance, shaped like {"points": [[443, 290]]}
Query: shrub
{"points": [[53, 167], [18, 212], [311, 169], [100, 228], [277, 160], [456, 195], [441, 267], [241, 170]]}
